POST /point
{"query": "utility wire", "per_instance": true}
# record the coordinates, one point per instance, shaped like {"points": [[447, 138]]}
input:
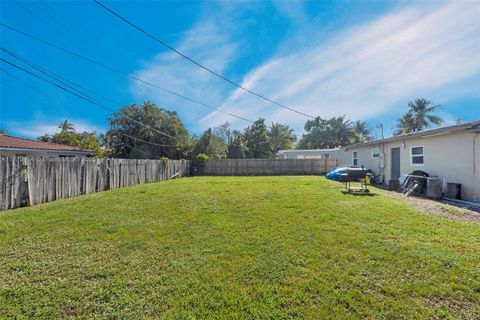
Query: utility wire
{"points": [[118, 131], [141, 151], [81, 96], [138, 139], [25, 83], [122, 73], [17, 91], [78, 92], [46, 23], [198, 64], [63, 80], [86, 98]]}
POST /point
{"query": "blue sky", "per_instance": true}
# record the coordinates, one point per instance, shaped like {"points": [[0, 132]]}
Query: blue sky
{"points": [[362, 59]]}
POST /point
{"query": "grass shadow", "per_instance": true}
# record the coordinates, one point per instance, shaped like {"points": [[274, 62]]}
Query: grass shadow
{"points": [[359, 193]]}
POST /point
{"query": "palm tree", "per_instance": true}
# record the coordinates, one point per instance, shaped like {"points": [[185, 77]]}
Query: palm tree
{"points": [[45, 138], [281, 137], [339, 132], [418, 116], [66, 127], [361, 131]]}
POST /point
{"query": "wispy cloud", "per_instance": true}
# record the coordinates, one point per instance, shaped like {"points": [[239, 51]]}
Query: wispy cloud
{"points": [[363, 72], [36, 128], [210, 42], [293, 9]]}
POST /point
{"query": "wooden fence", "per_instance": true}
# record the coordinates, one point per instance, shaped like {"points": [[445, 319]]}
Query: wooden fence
{"points": [[263, 167], [29, 181]]}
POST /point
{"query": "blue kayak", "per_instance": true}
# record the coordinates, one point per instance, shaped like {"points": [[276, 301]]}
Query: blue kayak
{"points": [[335, 173]]}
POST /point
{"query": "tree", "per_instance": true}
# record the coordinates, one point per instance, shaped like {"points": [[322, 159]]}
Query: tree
{"points": [[257, 140], [161, 135], [211, 145], [45, 138], [418, 117], [339, 132], [237, 146], [361, 132], [323, 134], [68, 136], [66, 126], [405, 124], [223, 132], [281, 137]]}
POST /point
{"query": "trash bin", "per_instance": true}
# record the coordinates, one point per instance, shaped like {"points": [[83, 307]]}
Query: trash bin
{"points": [[434, 188], [454, 190]]}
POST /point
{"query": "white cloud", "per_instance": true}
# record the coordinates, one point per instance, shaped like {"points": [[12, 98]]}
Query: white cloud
{"points": [[35, 128], [365, 71], [210, 42], [293, 9]]}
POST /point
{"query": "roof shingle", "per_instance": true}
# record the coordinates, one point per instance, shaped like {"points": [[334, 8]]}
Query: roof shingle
{"points": [[7, 141]]}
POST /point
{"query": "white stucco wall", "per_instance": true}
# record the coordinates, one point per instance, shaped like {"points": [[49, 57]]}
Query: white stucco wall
{"points": [[449, 156], [308, 154]]}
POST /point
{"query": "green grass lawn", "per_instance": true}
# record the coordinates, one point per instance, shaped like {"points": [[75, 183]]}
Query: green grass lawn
{"points": [[237, 248]]}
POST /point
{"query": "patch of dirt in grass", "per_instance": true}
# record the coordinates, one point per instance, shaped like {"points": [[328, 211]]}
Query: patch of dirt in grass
{"points": [[459, 307], [438, 208]]}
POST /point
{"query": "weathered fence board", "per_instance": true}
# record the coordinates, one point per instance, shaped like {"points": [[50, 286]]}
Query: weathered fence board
{"points": [[29, 181], [265, 167]]}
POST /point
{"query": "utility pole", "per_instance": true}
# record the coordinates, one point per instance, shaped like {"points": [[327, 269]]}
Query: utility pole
{"points": [[382, 157], [381, 127]]}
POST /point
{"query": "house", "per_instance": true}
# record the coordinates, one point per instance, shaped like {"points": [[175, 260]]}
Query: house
{"points": [[334, 153], [20, 147], [451, 153]]}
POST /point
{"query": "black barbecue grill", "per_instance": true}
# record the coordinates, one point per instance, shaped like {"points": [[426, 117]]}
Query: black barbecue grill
{"points": [[356, 175]]}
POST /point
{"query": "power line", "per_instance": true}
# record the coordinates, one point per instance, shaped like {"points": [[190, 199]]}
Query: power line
{"points": [[138, 139], [62, 21], [86, 98], [25, 83], [198, 64], [81, 94], [118, 131], [114, 70], [61, 79], [46, 23], [16, 90]]}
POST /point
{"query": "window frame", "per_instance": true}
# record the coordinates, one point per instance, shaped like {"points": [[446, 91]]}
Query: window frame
{"points": [[354, 158], [417, 155], [377, 157]]}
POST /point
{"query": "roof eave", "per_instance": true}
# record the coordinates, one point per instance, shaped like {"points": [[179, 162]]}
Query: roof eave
{"points": [[47, 150]]}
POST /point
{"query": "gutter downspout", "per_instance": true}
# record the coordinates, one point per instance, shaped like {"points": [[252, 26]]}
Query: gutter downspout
{"points": [[476, 180]]}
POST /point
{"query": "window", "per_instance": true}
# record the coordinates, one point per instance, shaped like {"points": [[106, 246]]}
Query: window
{"points": [[326, 156], [416, 156], [375, 153], [355, 158]]}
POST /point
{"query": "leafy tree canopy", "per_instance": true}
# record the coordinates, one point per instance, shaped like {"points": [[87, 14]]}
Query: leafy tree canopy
{"points": [[130, 139], [67, 135], [331, 133]]}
